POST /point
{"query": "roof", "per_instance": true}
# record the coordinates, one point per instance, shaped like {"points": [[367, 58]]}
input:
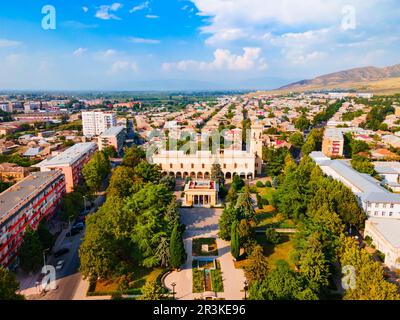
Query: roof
{"points": [[69, 156], [333, 133], [392, 167], [23, 190], [389, 229], [112, 131], [32, 152], [370, 187]]}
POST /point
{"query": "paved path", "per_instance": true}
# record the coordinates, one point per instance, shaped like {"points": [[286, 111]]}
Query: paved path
{"points": [[202, 222]]}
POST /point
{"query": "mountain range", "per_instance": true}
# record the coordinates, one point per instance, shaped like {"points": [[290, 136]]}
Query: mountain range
{"points": [[372, 79]]}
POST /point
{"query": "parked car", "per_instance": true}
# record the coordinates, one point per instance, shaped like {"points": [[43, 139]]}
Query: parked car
{"points": [[61, 252], [60, 264], [73, 232], [78, 226]]}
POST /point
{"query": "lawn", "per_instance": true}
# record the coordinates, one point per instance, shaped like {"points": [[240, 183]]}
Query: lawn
{"points": [[272, 219], [216, 279], [198, 280], [266, 193], [198, 242], [140, 274], [272, 253]]}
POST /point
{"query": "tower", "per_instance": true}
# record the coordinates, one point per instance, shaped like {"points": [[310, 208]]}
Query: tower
{"points": [[256, 145]]}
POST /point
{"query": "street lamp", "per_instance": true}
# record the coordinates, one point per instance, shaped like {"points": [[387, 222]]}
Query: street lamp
{"points": [[245, 289], [44, 256], [173, 284]]}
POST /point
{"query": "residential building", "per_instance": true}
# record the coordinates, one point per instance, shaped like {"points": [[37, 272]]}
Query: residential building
{"points": [[333, 143], [70, 162], [26, 204], [10, 172], [375, 200], [114, 136], [386, 238], [96, 122]]}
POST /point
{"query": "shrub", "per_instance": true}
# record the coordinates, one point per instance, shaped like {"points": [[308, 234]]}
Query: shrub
{"points": [[272, 236], [268, 184], [259, 184]]}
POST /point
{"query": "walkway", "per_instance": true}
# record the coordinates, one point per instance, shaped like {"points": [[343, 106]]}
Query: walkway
{"points": [[203, 222]]}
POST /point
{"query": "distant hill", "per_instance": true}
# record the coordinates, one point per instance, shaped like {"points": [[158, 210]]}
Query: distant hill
{"points": [[366, 74]]}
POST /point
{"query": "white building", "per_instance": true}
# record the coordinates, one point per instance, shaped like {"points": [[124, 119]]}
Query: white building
{"points": [[247, 164], [376, 201], [390, 174], [386, 238], [96, 122]]}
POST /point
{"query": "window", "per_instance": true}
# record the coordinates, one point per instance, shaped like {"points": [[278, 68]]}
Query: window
{"points": [[235, 165], [391, 206], [224, 165], [192, 166], [384, 206], [376, 213], [181, 165], [170, 166], [390, 214], [376, 205], [383, 213], [369, 204], [203, 165]]}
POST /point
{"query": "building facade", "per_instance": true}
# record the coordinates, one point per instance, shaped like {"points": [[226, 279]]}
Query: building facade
{"points": [[247, 164], [201, 193], [333, 143], [385, 237], [114, 136], [26, 204], [10, 172], [96, 122], [70, 162], [375, 200]]}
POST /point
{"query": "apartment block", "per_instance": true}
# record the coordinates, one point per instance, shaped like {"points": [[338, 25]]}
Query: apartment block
{"points": [[10, 172], [70, 162], [96, 122], [26, 204], [333, 143], [114, 136]]}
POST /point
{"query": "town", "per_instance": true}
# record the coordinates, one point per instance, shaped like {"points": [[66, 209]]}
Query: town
{"points": [[215, 196]]}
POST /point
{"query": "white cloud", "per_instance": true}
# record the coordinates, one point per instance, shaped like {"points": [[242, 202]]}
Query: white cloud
{"points": [[152, 16], [122, 66], [5, 43], [106, 53], [105, 11], [143, 40], [141, 6], [223, 60], [79, 52], [85, 9]]}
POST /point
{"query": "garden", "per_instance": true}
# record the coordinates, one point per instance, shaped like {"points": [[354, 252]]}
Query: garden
{"points": [[207, 276], [199, 244]]}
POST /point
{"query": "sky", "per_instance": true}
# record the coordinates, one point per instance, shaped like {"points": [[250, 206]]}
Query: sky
{"points": [[190, 44]]}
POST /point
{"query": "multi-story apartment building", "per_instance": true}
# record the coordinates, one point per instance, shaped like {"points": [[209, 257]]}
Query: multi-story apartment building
{"points": [[96, 122], [10, 172], [26, 204], [70, 162], [114, 136], [333, 143]]}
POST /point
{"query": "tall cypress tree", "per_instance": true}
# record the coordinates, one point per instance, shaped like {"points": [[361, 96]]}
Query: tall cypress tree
{"points": [[177, 248], [235, 240]]}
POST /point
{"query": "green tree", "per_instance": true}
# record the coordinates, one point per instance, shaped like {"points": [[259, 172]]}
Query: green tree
{"points": [[177, 248], [245, 204], [229, 215], [169, 181], [46, 238], [133, 156], [302, 123], [148, 172], [8, 286], [272, 236], [30, 251], [152, 291], [217, 174], [96, 171], [163, 251], [296, 139], [110, 152], [121, 182], [258, 266], [235, 240]]}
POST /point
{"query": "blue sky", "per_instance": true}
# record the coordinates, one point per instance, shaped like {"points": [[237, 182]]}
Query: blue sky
{"points": [[191, 44]]}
